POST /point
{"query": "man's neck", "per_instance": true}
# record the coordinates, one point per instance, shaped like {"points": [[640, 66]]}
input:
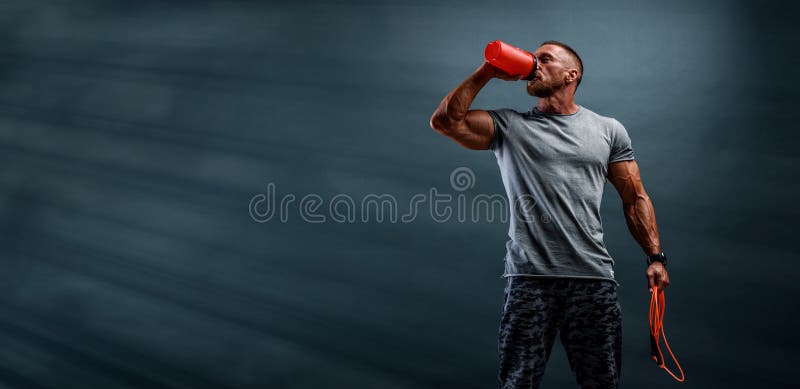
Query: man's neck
{"points": [[557, 104]]}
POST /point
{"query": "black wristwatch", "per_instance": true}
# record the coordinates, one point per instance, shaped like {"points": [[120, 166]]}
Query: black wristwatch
{"points": [[660, 257]]}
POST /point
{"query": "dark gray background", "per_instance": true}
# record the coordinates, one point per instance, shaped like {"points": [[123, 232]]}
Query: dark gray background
{"points": [[133, 136]]}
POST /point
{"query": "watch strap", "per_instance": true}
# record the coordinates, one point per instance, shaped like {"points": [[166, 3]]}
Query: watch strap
{"points": [[659, 257]]}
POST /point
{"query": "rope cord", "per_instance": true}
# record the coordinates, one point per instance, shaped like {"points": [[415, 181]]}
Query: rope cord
{"points": [[657, 306]]}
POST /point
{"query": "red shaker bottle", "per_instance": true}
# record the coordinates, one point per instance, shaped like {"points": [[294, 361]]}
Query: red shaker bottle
{"points": [[510, 59]]}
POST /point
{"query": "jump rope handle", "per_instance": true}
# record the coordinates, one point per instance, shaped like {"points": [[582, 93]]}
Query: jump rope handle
{"points": [[654, 350]]}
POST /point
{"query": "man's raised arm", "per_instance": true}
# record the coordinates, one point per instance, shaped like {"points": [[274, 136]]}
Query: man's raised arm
{"points": [[472, 129]]}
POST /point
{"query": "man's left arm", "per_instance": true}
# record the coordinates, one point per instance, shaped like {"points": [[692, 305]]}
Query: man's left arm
{"points": [[640, 216]]}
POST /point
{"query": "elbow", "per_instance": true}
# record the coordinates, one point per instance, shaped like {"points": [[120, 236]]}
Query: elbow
{"points": [[434, 122], [445, 124], [439, 122]]}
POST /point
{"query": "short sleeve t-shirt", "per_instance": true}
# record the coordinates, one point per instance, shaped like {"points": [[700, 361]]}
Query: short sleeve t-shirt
{"points": [[554, 167]]}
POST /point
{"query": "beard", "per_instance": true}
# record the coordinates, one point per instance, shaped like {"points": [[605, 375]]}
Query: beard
{"points": [[542, 88]]}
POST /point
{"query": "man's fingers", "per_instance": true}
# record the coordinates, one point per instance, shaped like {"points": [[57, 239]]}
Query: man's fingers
{"points": [[664, 281], [656, 278]]}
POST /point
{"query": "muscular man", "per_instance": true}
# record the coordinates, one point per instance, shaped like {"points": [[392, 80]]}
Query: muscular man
{"points": [[554, 161]]}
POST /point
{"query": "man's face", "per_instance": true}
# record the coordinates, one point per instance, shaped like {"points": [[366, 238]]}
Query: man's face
{"points": [[552, 72]]}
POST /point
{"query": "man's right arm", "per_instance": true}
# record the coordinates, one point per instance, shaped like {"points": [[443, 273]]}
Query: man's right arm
{"points": [[472, 129]]}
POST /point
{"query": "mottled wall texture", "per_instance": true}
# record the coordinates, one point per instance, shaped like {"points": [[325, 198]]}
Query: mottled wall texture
{"points": [[135, 138]]}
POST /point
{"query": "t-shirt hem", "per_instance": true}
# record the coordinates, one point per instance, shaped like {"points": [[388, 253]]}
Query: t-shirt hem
{"points": [[561, 276]]}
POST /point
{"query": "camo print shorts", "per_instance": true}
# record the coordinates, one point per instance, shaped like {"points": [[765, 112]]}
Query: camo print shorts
{"points": [[585, 312]]}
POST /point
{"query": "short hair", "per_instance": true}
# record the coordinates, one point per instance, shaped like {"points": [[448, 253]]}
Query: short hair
{"points": [[572, 52]]}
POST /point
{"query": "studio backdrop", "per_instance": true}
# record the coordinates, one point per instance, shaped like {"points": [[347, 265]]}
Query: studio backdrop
{"points": [[246, 194]]}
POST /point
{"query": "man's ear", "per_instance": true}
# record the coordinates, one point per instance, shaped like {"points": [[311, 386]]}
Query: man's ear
{"points": [[572, 75]]}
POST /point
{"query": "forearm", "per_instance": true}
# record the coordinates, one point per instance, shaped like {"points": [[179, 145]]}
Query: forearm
{"points": [[641, 219], [456, 104]]}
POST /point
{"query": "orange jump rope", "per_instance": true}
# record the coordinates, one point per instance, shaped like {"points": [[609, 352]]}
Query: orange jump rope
{"points": [[657, 306]]}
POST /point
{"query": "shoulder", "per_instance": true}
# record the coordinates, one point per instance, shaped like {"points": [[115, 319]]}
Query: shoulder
{"points": [[505, 117], [505, 112], [607, 123], [606, 120]]}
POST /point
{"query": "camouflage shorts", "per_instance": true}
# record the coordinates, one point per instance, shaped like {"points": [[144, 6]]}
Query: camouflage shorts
{"points": [[585, 312]]}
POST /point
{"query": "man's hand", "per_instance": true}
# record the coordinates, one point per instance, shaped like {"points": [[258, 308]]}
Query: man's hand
{"points": [[657, 276], [495, 72]]}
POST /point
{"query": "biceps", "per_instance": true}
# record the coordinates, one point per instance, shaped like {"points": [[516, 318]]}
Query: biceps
{"points": [[476, 131]]}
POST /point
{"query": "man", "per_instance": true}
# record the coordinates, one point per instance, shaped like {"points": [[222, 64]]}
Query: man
{"points": [[560, 276]]}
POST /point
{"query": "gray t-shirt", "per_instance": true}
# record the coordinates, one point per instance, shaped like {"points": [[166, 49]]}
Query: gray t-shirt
{"points": [[554, 170]]}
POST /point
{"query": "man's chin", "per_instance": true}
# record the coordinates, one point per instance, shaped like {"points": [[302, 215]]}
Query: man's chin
{"points": [[539, 93]]}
